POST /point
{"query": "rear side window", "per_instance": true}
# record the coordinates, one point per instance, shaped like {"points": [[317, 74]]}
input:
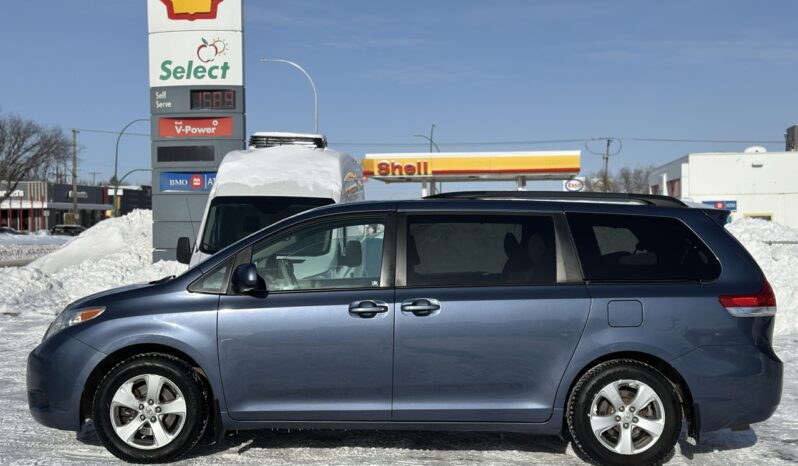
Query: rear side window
{"points": [[640, 248], [458, 250]]}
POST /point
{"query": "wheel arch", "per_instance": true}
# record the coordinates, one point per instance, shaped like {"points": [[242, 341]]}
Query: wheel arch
{"points": [[674, 377], [121, 354]]}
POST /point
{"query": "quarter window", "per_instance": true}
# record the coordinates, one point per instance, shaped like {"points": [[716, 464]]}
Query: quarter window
{"points": [[328, 256], [214, 281], [640, 248], [485, 250]]}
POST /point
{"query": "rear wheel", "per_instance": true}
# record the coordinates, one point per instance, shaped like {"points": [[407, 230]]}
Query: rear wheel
{"points": [[624, 412], [150, 408]]}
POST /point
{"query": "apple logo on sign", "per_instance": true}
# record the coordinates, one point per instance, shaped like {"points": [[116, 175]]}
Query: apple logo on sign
{"points": [[208, 51]]}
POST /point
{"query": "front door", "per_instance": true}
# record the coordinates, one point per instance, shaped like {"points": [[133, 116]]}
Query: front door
{"points": [[486, 318], [319, 344]]}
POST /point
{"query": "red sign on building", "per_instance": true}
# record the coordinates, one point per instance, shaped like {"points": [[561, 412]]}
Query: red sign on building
{"points": [[195, 127]]}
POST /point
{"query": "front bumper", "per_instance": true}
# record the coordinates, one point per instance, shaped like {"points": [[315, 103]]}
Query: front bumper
{"points": [[57, 371], [732, 385]]}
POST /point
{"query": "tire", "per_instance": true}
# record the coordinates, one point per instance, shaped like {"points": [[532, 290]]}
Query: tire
{"points": [[631, 430], [156, 432]]}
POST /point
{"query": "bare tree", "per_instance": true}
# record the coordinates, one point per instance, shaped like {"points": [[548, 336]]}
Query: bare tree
{"points": [[634, 180], [594, 182], [28, 150], [627, 180]]}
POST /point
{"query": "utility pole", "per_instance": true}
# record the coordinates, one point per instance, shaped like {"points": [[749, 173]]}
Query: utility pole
{"points": [[94, 178], [605, 155], [606, 158], [75, 176]]}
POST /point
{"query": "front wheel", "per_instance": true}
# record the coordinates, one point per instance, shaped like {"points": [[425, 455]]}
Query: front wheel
{"points": [[150, 408], [624, 412]]}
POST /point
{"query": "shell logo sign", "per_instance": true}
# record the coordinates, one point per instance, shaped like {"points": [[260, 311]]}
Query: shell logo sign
{"points": [[190, 10], [467, 166]]}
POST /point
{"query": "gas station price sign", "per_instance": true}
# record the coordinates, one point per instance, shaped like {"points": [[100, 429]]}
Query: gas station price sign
{"points": [[213, 99]]}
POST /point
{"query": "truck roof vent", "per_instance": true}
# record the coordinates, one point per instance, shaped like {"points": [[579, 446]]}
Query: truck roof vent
{"points": [[262, 140]]}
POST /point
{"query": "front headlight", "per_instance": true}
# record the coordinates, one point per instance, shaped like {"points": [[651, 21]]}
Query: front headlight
{"points": [[72, 317]]}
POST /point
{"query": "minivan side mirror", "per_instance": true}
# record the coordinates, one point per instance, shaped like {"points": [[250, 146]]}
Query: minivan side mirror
{"points": [[183, 250], [246, 279]]}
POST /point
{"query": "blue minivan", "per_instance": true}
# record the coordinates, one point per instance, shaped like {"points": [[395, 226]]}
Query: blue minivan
{"points": [[606, 318]]}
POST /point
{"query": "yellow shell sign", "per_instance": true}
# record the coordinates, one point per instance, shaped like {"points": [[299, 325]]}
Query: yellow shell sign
{"points": [[479, 165]]}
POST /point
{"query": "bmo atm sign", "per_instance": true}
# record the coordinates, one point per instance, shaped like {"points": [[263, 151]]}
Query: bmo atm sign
{"points": [[196, 78], [180, 182]]}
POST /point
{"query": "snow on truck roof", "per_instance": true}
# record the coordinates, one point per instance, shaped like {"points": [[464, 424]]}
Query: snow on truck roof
{"points": [[287, 170]]}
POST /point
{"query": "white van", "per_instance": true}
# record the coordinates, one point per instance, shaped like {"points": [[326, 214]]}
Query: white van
{"points": [[280, 175]]}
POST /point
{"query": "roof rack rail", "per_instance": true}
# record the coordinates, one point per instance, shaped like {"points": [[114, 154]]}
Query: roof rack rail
{"points": [[647, 199]]}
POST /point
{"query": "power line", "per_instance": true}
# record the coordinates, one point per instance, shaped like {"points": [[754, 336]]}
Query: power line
{"points": [[501, 143], [453, 143], [105, 131], [706, 141]]}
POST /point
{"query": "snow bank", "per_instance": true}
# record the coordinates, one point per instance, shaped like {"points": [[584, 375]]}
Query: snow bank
{"points": [[779, 262], [113, 253]]}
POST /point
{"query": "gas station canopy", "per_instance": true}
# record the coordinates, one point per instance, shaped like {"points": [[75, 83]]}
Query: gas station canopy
{"points": [[472, 166]]}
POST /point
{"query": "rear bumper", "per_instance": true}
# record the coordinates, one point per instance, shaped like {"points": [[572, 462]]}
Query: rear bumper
{"points": [[57, 371], [732, 385]]}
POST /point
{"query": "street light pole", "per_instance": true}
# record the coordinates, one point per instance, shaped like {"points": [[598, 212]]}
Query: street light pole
{"points": [[429, 138], [312, 85], [116, 159], [432, 143], [74, 176]]}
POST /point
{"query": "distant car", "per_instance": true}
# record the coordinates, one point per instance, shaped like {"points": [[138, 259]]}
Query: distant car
{"points": [[67, 230], [11, 231]]}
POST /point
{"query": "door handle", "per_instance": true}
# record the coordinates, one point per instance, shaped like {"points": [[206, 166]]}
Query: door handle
{"points": [[421, 307], [368, 308]]}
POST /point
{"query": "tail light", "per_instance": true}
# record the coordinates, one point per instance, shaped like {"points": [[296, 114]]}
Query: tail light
{"points": [[751, 305]]}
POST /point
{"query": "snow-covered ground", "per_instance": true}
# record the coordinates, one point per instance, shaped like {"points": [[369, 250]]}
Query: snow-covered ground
{"points": [[29, 296], [27, 247]]}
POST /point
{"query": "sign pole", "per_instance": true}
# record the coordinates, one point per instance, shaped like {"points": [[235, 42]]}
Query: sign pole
{"points": [[74, 176]]}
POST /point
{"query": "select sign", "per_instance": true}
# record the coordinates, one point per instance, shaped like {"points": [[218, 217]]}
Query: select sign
{"points": [[195, 127]]}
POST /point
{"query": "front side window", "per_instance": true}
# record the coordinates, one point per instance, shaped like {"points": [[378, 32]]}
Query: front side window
{"points": [[235, 217], [336, 255], [640, 248], [480, 250]]}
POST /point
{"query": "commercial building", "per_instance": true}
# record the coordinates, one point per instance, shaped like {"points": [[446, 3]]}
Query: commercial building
{"points": [[39, 205], [752, 183]]}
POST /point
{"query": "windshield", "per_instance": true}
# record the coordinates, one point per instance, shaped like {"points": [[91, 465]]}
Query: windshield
{"points": [[233, 218]]}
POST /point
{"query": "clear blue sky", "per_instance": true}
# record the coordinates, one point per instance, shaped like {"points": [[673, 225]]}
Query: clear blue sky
{"points": [[482, 71]]}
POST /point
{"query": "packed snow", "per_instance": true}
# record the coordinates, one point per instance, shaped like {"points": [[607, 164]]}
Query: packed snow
{"points": [[289, 170], [89, 264]]}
